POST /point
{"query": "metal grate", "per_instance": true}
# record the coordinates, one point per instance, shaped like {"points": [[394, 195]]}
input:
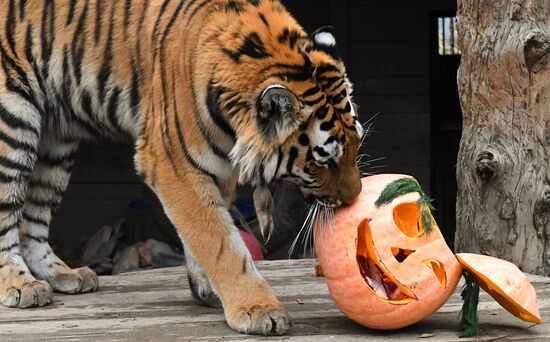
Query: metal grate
{"points": [[448, 36]]}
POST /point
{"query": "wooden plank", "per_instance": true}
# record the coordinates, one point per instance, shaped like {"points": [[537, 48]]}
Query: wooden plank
{"points": [[403, 130], [395, 23], [388, 59], [300, 4], [391, 86], [105, 163], [389, 104], [339, 20], [399, 139], [419, 3], [156, 305], [310, 17]]}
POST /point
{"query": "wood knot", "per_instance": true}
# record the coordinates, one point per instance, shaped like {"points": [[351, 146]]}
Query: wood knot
{"points": [[541, 213], [508, 210], [546, 197], [486, 166], [516, 14], [536, 50]]}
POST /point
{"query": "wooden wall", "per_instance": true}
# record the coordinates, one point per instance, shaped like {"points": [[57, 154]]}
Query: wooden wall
{"points": [[385, 44], [102, 185]]}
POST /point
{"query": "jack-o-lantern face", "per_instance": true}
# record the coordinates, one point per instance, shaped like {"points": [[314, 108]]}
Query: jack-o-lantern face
{"points": [[384, 268]]}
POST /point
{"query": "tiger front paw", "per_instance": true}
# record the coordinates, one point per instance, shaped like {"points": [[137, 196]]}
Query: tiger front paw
{"points": [[259, 319], [19, 289]]}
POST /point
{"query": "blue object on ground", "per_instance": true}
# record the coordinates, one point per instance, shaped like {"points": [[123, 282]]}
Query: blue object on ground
{"points": [[246, 208]]}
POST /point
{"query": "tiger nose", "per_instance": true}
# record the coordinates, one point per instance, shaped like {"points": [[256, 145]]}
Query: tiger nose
{"points": [[350, 185], [350, 192]]}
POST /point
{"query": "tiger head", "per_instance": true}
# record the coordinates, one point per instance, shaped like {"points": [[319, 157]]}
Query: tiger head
{"points": [[319, 155], [300, 123]]}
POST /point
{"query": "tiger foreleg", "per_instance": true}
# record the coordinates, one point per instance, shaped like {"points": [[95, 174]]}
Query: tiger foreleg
{"points": [[199, 212]]}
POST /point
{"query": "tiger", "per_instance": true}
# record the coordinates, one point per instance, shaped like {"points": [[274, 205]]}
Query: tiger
{"points": [[211, 94]]}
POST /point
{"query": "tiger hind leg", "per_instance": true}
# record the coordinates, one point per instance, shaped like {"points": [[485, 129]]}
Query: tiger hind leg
{"points": [[48, 182], [19, 136]]}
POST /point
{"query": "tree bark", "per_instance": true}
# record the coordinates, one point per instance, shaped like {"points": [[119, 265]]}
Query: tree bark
{"points": [[503, 170]]}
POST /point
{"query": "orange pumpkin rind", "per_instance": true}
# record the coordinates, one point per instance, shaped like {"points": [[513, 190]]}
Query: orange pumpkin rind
{"points": [[390, 272]]}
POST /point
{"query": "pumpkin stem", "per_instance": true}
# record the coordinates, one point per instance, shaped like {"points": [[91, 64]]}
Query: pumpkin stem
{"points": [[468, 315], [404, 186]]}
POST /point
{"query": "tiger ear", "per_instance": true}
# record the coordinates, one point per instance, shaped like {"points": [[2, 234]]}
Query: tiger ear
{"points": [[324, 40], [277, 110]]}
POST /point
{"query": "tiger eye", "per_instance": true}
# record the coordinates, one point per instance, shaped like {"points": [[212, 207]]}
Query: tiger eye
{"points": [[304, 139]]}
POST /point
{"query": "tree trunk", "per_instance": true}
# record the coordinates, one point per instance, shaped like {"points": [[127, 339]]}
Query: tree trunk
{"points": [[503, 204]]}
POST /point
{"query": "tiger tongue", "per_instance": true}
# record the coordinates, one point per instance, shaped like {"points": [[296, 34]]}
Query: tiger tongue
{"points": [[380, 284], [375, 279], [393, 291]]}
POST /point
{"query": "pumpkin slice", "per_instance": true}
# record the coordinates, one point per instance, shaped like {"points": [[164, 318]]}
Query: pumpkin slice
{"points": [[505, 283]]}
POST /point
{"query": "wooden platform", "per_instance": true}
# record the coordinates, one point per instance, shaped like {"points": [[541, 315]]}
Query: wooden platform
{"points": [[157, 306]]}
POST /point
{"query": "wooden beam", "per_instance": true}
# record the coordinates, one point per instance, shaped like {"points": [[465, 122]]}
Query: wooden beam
{"points": [[339, 19]]}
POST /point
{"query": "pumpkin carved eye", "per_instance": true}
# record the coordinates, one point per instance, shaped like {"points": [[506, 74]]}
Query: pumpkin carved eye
{"points": [[407, 218]]}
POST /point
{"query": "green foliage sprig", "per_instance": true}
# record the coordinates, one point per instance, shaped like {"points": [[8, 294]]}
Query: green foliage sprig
{"points": [[404, 186], [468, 315]]}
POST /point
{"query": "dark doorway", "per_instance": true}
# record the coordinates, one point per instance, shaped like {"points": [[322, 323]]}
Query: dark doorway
{"points": [[446, 119]]}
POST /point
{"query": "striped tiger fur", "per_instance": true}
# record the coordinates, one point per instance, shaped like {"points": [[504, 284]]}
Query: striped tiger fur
{"points": [[211, 92]]}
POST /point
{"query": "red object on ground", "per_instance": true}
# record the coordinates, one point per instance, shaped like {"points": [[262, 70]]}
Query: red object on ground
{"points": [[253, 246]]}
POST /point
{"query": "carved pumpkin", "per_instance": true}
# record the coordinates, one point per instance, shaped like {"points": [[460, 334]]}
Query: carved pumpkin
{"points": [[384, 270], [505, 283]]}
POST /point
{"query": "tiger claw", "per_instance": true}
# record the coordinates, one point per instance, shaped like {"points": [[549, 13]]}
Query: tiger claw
{"points": [[263, 202], [266, 240]]}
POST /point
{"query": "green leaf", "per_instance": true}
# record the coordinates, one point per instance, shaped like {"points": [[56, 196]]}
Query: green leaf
{"points": [[468, 315]]}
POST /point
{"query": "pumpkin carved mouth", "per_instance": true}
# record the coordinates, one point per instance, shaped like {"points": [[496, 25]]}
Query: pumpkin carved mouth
{"points": [[378, 278]]}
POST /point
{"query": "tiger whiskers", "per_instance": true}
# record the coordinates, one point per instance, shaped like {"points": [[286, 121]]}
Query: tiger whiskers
{"points": [[320, 216], [363, 163], [367, 128], [366, 167], [319, 219], [307, 227]]}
